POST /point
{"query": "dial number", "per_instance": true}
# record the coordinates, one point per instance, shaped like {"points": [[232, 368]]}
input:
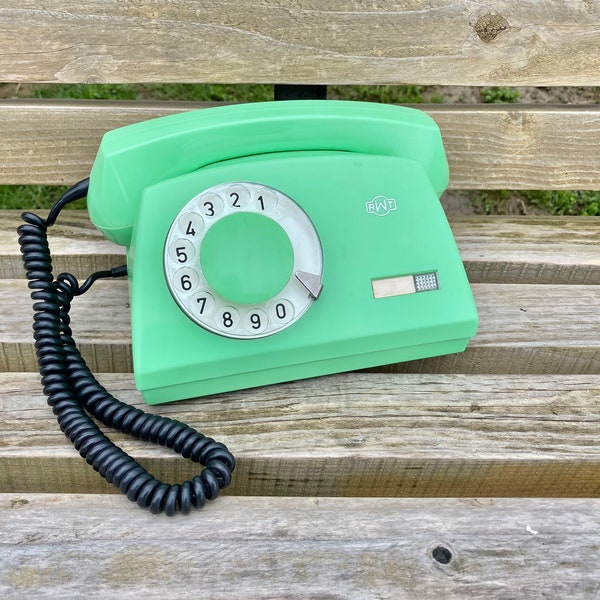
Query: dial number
{"points": [[203, 303], [211, 205], [282, 311], [191, 224], [182, 251], [266, 201], [228, 318], [256, 321], [186, 279], [238, 196]]}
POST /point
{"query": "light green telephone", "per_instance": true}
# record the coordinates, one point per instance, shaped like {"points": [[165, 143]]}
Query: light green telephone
{"points": [[275, 241]]}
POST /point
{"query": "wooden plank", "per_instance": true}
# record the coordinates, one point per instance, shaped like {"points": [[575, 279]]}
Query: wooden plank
{"points": [[535, 147], [344, 435], [498, 249], [453, 42], [523, 329], [59, 139], [301, 548], [536, 250], [488, 147]]}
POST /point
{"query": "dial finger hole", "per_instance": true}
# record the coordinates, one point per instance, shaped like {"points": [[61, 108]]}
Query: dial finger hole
{"points": [[182, 251], [186, 279], [256, 321]]}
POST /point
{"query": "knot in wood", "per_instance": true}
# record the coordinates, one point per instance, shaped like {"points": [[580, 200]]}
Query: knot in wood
{"points": [[442, 555], [489, 26]]}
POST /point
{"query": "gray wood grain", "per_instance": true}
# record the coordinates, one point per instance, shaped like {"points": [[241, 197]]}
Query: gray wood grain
{"points": [[344, 435], [345, 41], [56, 546]]}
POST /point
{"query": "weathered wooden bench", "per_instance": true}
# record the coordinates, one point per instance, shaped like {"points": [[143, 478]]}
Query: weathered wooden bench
{"points": [[467, 475]]}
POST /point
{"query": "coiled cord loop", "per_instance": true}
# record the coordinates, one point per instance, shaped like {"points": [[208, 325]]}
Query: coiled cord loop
{"points": [[74, 393]]}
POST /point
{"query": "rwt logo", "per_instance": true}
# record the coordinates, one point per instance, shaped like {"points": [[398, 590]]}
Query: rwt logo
{"points": [[381, 206]]}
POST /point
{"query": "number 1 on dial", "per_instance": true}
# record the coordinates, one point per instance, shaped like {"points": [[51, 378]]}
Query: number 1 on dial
{"points": [[267, 200]]}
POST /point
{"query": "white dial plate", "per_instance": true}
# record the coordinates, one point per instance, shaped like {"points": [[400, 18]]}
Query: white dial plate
{"points": [[189, 286]]}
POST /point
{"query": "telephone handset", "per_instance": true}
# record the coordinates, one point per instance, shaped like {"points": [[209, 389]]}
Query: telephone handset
{"points": [[276, 241], [135, 157]]}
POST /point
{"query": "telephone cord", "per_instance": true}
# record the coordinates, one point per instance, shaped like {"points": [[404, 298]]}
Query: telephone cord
{"points": [[74, 393]]}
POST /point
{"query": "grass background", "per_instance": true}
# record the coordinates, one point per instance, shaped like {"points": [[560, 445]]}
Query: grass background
{"points": [[555, 202]]}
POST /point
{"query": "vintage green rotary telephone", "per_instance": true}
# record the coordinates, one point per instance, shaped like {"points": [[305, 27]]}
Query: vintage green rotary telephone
{"points": [[265, 243]]}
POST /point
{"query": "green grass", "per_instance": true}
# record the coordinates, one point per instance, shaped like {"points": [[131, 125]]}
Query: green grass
{"points": [[86, 91], [498, 95], [388, 94], [32, 197], [177, 91], [553, 202], [559, 202]]}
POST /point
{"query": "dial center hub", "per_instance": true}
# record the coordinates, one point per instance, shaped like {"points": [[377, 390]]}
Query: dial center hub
{"points": [[246, 257]]}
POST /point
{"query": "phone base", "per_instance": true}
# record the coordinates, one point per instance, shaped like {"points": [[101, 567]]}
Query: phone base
{"points": [[205, 387], [393, 286]]}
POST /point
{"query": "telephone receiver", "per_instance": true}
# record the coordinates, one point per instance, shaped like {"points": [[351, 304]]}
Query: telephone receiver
{"points": [[135, 157], [281, 240]]}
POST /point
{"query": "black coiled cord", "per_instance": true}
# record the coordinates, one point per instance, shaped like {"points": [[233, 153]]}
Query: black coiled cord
{"points": [[74, 393]]}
